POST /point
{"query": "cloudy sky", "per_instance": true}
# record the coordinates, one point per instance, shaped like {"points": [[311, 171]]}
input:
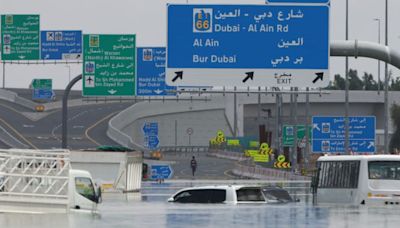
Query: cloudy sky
{"points": [[147, 19]]}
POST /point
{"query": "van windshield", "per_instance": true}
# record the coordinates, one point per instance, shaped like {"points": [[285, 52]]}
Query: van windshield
{"points": [[85, 188], [384, 170]]}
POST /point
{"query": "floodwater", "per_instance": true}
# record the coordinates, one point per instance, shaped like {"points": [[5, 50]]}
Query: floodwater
{"points": [[150, 209]]}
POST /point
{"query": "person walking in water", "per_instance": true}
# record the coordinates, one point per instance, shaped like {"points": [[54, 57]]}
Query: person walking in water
{"points": [[193, 165]]}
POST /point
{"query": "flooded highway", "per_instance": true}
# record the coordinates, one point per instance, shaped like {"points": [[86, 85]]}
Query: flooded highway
{"points": [[151, 209]]}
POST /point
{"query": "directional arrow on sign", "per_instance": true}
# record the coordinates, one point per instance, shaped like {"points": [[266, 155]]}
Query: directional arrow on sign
{"points": [[320, 75], [158, 91], [249, 75], [112, 91], [21, 57], [371, 144], [316, 127], [179, 74], [161, 171]]}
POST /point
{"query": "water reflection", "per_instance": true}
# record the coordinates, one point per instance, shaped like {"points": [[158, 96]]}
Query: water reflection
{"points": [[150, 209]]}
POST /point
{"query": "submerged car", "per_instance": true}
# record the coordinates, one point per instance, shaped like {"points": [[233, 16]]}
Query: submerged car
{"points": [[231, 194]]}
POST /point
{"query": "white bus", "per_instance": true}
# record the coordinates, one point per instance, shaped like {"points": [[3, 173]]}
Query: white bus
{"points": [[358, 179]]}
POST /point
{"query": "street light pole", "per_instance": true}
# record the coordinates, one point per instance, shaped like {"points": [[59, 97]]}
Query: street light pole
{"points": [[386, 111], [346, 118], [379, 62]]}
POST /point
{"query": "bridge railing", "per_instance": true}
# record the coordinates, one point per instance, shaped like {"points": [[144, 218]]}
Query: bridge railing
{"points": [[183, 150]]}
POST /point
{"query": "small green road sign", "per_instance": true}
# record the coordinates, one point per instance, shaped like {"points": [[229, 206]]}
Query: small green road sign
{"points": [[20, 36], [288, 134], [109, 65], [42, 84]]}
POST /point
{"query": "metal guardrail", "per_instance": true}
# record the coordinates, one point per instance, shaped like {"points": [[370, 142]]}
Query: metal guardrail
{"points": [[184, 149]]}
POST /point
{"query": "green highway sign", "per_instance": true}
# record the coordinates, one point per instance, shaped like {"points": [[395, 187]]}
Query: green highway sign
{"points": [[109, 65], [20, 36], [288, 133], [42, 83]]}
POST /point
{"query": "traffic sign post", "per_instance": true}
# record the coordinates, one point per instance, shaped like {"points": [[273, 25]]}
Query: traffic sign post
{"points": [[328, 134], [161, 172], [42, 94], [288, 134], [150, 131], [42, 83], [42, 89], [150, 80], [248, 45], [20, 37], [61, 45], [109, 65]]}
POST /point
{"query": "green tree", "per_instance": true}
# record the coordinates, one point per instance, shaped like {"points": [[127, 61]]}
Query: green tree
{"points": [[395, 84], [339, 82], [368, 82], [354, 81], [395, 115]]}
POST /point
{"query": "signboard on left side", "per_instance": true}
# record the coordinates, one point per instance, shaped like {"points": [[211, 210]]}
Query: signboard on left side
{"points": [[161, 172], [109, 65], [150, 132], [150, 80], [61, 45], [20, 37]]}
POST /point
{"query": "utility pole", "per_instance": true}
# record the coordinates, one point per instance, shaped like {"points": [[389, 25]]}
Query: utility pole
{"points": [[386, 111], [346, 115], [379, 62]]}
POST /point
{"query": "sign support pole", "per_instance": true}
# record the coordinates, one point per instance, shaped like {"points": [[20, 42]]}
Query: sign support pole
{"points": [[307, 152], [235, 113], [4, 74], [295, 131], [65, 110]]}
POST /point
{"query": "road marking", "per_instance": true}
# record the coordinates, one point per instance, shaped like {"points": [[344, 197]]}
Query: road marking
{"points": [[78, 126], [19, 134], [226, 173], [94, 125], [53, 131], [28, 125], [42, 137]]}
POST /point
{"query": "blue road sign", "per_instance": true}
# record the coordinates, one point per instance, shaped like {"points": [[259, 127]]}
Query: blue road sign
{"points": [[150, 78], [248, 45], [42, 94], [65, 45], [328, 134], [150, 128], [152, 141], [161, 172], [299, 1]]}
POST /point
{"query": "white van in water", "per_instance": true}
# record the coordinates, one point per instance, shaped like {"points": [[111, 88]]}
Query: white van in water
{"points": [[42, 181], [358, 179]]}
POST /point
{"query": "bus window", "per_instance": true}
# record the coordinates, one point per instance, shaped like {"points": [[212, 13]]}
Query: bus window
{"points": [[384, 170], [338, 174]]}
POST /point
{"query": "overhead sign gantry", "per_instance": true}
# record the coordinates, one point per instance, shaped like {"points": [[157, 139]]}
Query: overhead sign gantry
{"points": [[248, 45]]}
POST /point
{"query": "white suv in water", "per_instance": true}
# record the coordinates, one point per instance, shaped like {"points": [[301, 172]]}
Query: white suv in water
{"points": [[231, 194]]}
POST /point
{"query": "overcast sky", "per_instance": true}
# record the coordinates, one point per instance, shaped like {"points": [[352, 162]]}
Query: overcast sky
{"points": [[147, 19]]}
